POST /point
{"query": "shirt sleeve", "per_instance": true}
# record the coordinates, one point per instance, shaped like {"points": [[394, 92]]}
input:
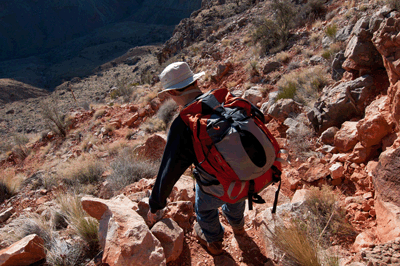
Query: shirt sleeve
{"points": [[178, 156]]}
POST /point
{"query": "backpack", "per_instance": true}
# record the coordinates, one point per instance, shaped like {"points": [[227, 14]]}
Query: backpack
{"points": [[237, 155]]}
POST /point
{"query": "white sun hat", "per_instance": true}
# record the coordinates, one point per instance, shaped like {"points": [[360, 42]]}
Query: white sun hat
{"points": [[177, 76]]}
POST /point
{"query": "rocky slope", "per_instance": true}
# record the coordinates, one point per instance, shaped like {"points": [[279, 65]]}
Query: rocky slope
{"points": [[59, 40], [344, 135]]}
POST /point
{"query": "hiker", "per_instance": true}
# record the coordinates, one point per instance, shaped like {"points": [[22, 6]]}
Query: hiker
{"points": [[181, 84], [234, 158]]}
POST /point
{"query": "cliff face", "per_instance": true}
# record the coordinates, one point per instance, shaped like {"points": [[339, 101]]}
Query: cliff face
{"points": [[33, 27]]}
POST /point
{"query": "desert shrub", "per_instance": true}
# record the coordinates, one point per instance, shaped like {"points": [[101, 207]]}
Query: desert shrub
{"points": [[84, 226], [63, 253], [300, 143], [273, 34], [20, 149], [123, 89], [153, 124], [84, 171], [333, 49], [55, 120], [287, 91], [307, 240], [167, 111], [26, 225], [293, 240], [313, 9], [304, 86], [327, 218], [283, 57], [331, 31], [9, 184], [99, 113], [127, 168]]}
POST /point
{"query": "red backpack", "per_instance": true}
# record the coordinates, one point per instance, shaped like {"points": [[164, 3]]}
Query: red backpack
{"points": [[238, 156]]}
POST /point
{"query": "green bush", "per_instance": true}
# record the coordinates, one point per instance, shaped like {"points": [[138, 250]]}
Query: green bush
{"points": [[331, 31], [304, 86], [287, 92]]}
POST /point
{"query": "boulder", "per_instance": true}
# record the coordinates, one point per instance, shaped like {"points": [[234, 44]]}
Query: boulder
{"points": [[181, 212], [361, 55], [171, 237], [362, 154], [271, 100], [347, 137], [385, 177], [284, 108], [130, 122], [337, 70], [271, 66], [26, 251], [336, 170], [341, 102], [183, 190], [364, 240], [6, 214], [153, 148], [123, 233], [253, 95], [387, 41], [328, 136], [372, 129]]}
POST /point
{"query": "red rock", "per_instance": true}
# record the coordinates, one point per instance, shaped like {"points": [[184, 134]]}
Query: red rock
{"points": [[372, 129], [131, 120], [347, 137], [24, 252]]}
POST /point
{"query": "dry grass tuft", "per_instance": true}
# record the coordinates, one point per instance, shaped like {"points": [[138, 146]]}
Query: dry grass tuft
{"points": [[304, 86], [308, 241], [83, 225], [128, 168], [83, 171]]}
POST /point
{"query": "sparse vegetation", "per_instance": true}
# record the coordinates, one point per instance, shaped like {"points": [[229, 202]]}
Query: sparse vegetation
{"points": [[83, 225], [306, 241], [63, 253], [303, 86], [167, 111], [99, 113], [331, 31], [127, 168], [20, 149], [55, 120], [9, 184], [83, 171], [283, 57], [153, 124]]}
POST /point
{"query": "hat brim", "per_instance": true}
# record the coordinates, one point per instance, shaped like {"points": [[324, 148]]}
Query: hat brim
{"points": [[183, 84]]}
